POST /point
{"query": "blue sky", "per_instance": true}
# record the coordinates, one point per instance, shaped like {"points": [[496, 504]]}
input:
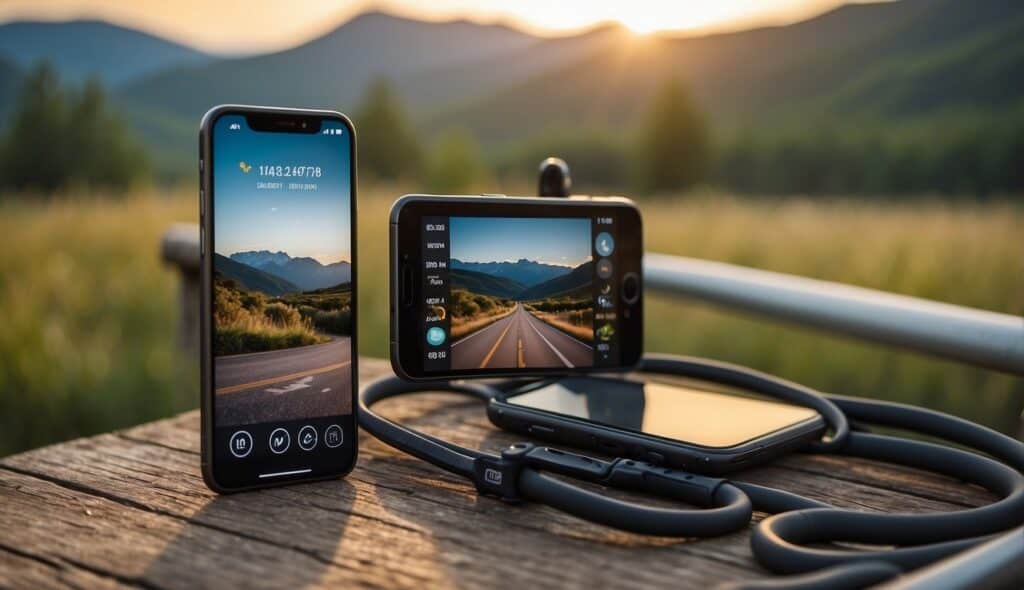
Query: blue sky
{"points": [[562, 241], [301, 223]]}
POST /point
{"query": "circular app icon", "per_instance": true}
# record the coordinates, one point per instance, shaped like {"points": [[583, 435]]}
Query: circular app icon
{"points": [[604, 268], [240, 444], [280, 440], [604, 244], [307, 438], [435, 336], [333, 436]]}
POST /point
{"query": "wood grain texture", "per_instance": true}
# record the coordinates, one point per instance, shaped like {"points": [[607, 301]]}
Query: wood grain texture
{"points": [[129, 508]]}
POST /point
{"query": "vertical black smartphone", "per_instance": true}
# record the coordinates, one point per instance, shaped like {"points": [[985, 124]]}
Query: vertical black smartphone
{"points": [[278, 296], [493, 285]]}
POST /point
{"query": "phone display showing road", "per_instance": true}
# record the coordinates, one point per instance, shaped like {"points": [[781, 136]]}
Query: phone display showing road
{"points": [[520, 340], [277, 385]]}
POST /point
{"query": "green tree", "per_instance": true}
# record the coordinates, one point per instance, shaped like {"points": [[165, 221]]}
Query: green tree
{"points": [[31, 154], [675, 146], [388, 145], [102, 154], [456, 165], [58, 138]]}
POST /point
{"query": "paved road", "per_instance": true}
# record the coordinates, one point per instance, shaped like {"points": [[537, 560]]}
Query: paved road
{"points": [[294, 383], [520, 340]]}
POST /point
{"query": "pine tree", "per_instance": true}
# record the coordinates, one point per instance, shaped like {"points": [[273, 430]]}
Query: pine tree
{"points": [[57, 139], [388, 146], [32, 157], [675, 148]]}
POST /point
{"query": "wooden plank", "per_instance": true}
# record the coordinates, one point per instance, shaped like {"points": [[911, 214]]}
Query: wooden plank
{"points": [[130, 508], [18, 571]]}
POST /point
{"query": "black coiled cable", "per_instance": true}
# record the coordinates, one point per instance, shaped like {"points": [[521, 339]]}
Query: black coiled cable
{"points": [[782, 542]]}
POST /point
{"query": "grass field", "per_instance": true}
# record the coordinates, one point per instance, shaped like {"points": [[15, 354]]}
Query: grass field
{"points": [[88, 311]]}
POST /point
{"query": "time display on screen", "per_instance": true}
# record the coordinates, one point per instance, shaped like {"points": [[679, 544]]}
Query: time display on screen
{"points": [[286, 171]]}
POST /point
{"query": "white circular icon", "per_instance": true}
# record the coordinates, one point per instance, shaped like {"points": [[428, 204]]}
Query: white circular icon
{"points": [[333, 436], [604, 244], [307, 438], [240, 444], [280, 440]]}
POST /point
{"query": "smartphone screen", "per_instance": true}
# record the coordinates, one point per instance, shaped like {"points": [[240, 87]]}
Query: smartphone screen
{"points": [[282, 291], [514, 288], [701, 415]]}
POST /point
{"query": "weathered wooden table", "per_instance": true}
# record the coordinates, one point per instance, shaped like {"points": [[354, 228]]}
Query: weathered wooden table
{"points": [[130, 509]]}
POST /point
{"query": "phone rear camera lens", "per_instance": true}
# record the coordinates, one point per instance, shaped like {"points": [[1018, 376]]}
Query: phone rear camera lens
{"points": [[630, 288]]}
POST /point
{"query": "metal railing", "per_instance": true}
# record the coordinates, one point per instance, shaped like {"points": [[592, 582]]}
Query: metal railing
{"points": [[981, 338]]}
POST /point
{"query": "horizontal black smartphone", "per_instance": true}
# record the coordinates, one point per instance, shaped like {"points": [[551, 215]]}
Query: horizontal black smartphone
{"points": [[514, 286], [278, 296], [694, 426]]}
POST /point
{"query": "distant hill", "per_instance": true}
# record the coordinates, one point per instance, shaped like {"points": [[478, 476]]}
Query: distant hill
{"points": [[523, 271], [305, 272], [484, 284], [884, 60], [571, 284], [252, 279], [330, 71], [904, 61], [81, 48]]}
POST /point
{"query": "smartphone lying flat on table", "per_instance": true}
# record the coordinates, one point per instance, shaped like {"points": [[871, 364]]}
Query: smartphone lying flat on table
{"points": [[494, 285], [278, 296], [689, 425]]}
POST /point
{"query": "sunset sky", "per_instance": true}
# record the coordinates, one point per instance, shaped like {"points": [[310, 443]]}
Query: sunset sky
{"points": [[249, 26]]}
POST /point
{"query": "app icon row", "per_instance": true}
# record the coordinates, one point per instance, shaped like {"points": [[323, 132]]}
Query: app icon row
{"points": [[280, 440]]}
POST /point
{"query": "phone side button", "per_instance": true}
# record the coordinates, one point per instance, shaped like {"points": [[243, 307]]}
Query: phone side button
{"points": [[746, 456], [202, 242], [540, 430], [655, 457]]}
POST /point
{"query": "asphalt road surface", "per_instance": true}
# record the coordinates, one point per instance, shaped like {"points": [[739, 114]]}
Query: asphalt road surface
{"points": [[290, 384], [520, 340]]}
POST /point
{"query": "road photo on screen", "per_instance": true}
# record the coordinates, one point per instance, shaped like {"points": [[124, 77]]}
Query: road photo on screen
{"points": [[521, 292]]}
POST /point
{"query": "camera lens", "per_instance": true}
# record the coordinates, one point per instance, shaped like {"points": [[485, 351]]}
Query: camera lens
{"points": [[630, 288]]}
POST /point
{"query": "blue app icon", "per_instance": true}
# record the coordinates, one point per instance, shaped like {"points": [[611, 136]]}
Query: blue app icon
{"points": [[604, 244], [435, 336]]}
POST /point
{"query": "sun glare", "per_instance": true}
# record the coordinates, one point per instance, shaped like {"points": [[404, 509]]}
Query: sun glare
{"points": [[661, 16]]}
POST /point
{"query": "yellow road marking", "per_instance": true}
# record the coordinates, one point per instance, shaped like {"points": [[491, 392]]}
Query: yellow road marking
{"points": [[521, 363], [487, 358], [279, 379]]}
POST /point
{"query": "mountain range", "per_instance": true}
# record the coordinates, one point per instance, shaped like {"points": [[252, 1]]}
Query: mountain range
{"points": [[305, 273], [523, 271], [252, 279], [519, 280], [83, 48], [886, 61]]}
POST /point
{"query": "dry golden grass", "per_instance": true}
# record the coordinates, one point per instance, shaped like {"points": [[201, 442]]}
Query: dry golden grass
{"points": [[561, 321]]}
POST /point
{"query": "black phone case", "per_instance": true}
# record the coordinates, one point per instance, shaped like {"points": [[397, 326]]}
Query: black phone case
{"points": [[205, 305], [395, 278], [614, 442]]}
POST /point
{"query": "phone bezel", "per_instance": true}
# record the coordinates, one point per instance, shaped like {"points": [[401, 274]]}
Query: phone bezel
{"points": [[266, 115], [406, 359]]}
